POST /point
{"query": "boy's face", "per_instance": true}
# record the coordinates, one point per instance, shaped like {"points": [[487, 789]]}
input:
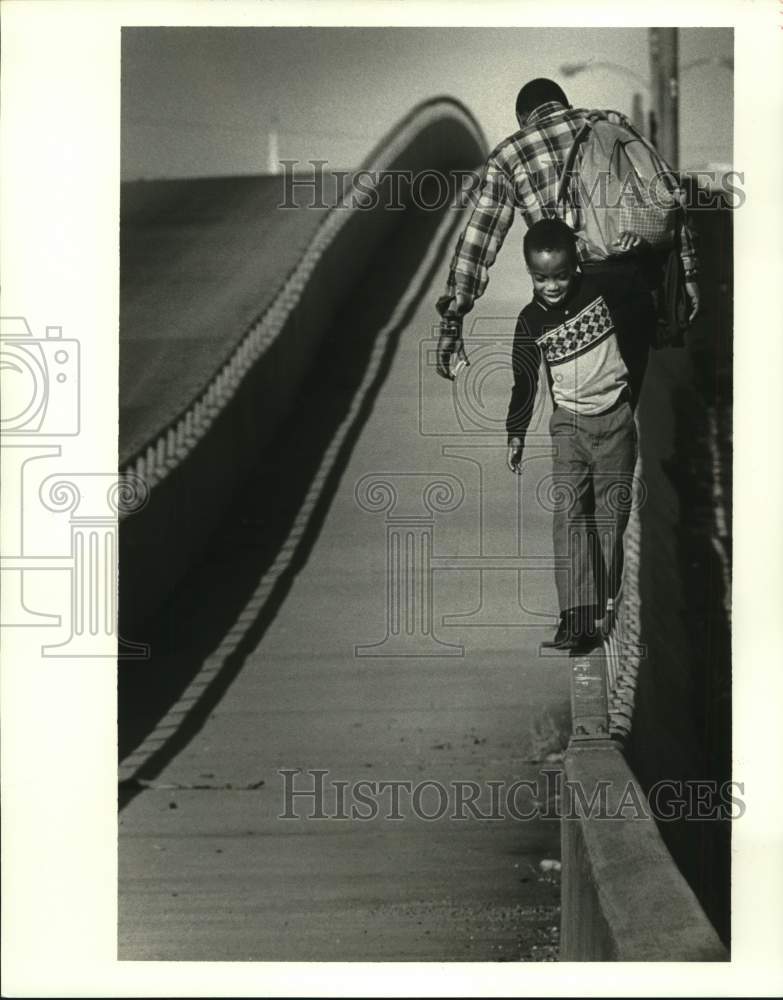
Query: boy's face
{"points": [[552, 272]]}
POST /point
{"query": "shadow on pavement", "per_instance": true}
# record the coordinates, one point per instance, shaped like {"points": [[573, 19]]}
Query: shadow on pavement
{"points": [[201, 614]]}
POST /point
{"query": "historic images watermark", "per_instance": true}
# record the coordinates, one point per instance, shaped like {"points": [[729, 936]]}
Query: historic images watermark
{"points": [[312, 184], [41, 411], [314, 794]]}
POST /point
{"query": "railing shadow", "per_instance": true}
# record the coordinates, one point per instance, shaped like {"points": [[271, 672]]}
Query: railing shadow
{"points": [[203, 612]]}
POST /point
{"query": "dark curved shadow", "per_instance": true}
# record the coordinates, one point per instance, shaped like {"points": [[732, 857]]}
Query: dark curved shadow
{"points": [[200, 614]]}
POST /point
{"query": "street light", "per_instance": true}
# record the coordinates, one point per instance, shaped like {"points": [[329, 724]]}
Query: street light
{"points": [[572, 69], [663, 88], [637, 108]]}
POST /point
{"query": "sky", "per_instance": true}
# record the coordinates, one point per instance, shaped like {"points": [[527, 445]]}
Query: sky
{"points": [[201, 101]]}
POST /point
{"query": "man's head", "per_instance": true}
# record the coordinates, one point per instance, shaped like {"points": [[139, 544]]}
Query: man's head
{"points": [[534, 94], [550, 255]]}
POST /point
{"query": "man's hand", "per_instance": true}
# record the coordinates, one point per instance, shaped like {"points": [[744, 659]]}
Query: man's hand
{"points": [[514, 460], [449, 343], [451, 310], [692, 290], [627, 241]]}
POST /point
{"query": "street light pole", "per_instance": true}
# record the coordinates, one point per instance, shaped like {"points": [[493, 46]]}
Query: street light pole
{"points": [[637, 112], [665, 89]]}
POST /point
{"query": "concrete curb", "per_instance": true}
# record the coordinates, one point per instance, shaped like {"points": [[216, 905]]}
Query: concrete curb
{"points": [[623, 898]]}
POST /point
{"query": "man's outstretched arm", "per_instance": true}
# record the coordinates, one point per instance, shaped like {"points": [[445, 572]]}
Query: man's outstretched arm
{"points": [[479, 243]]}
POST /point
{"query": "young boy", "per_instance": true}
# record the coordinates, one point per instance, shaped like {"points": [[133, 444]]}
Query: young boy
{"points": [[586, 326]]}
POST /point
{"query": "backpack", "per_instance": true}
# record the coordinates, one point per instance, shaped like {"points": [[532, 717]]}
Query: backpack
{"points": [[621, 182]]}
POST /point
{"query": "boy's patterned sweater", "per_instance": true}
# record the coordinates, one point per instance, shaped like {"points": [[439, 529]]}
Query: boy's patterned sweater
{"points": [[578, 341]]}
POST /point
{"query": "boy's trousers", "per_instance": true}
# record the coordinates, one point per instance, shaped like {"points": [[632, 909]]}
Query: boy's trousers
{"points": [[592, 492]]}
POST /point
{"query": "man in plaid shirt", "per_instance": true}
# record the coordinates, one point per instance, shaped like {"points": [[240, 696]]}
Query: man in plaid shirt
{"points": [[522, 173], [594, 371]]}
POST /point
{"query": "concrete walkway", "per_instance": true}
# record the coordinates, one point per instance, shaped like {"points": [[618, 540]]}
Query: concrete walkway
{"points": [[208, 870]]}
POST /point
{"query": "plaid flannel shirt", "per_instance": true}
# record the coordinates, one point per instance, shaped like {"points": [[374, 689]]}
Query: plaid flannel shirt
{"points": [[522, 173]]}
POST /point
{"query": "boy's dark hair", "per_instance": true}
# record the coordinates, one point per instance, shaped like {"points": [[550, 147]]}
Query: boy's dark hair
{"points": [[537, 92], [550, 234]]}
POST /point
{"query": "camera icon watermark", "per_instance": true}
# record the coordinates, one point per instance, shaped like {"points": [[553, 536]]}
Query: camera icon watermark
{"points": [[40, 381], [78, 574]]}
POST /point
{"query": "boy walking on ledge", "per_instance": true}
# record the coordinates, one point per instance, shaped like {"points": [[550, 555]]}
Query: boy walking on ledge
{"points": [[589, 328]]}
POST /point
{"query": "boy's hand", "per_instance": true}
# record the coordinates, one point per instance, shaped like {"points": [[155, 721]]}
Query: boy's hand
{"points": [[627, 241], [692, 290], [514, 459]]}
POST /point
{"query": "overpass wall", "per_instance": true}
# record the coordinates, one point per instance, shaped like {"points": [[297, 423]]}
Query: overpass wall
{"points": [[669, 664], [682, 714], [623, 898]]}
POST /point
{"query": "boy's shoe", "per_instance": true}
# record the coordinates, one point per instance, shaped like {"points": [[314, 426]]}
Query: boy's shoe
{"points": [[560, 635], [605, 620], [576, 631]]}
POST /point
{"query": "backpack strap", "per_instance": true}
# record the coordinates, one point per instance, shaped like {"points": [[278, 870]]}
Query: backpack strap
{"points": [[570, 160]]}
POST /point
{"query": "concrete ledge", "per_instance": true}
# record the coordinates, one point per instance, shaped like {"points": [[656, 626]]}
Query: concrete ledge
{"points": [[623, 898], [681, 727]]}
